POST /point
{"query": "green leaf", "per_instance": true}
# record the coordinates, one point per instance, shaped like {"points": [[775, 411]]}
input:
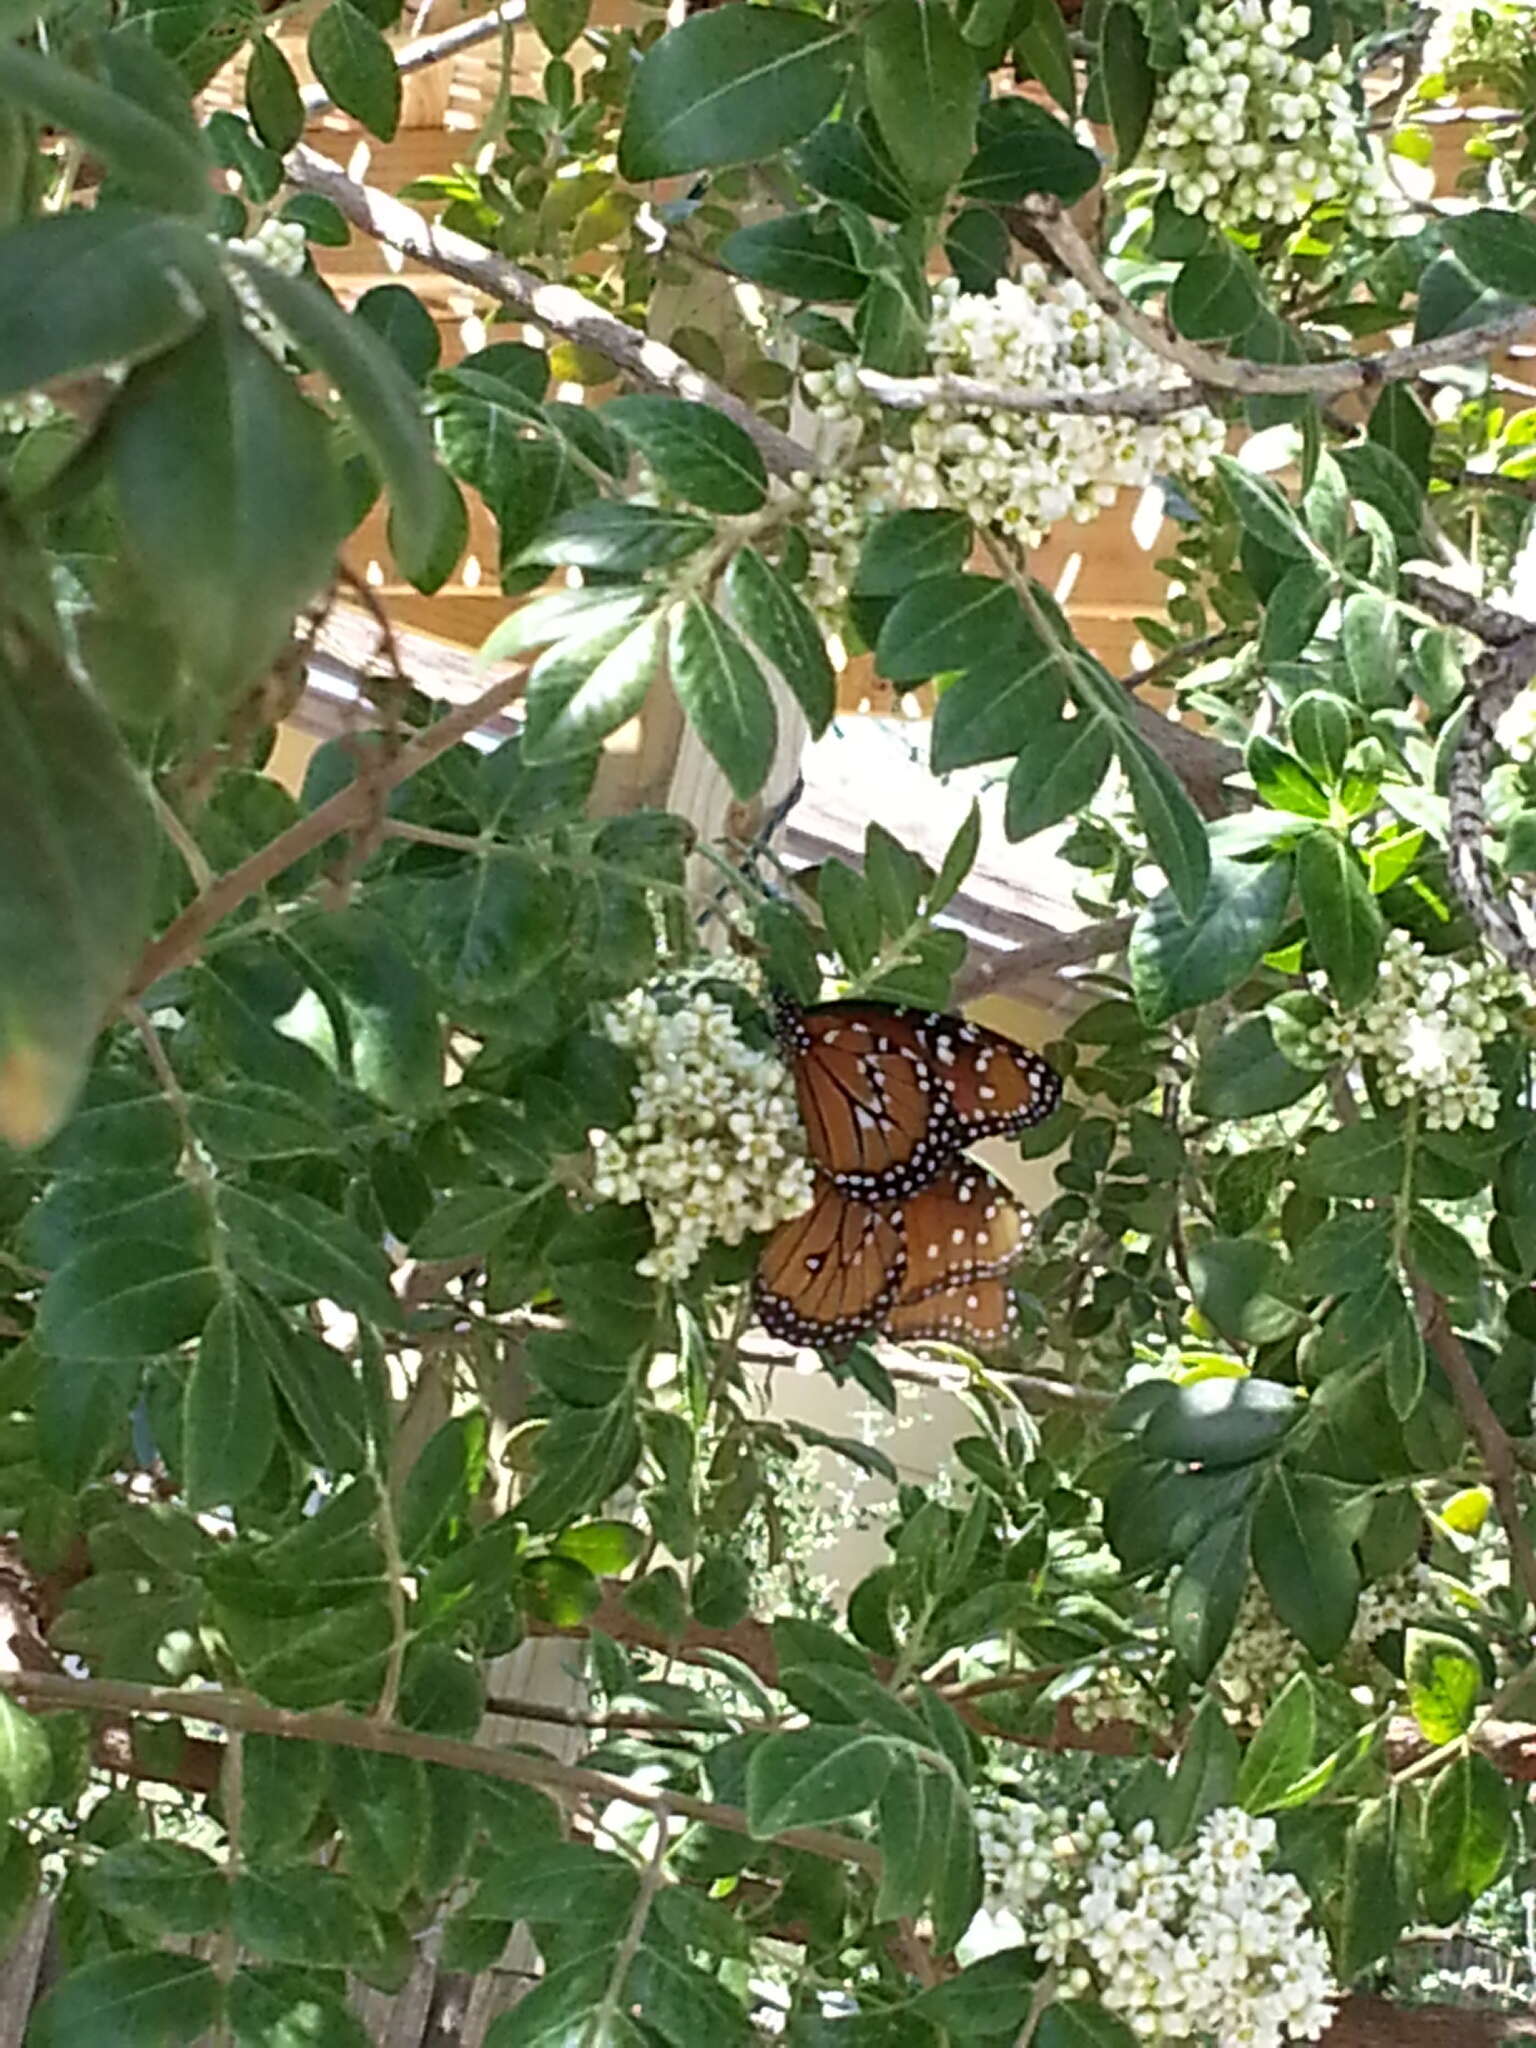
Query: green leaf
{"points": [[697, 452], [810, 1776], [1344, 923], [774, 617], [924, 89], [322, 221], [1369, 633], [1306, 1561], [1126, 78], [280, 2008], [127, 1299], [165, 1888], [1022, 149], [1364, 1159], [1399, 423], [1059, 773], [357, 67], [1204, 1777], [26, 1760], [1245, 1074], [572, 706], [1205, 1594], [1222, 1420], [381, 1028], [948, 622], [229, 1417], [1283, 782], [986, 1998], [1073, 2023], [1011, 702], [959, 859], [1442, 1255], [722, 691], [1377, 1902], [132, 2000], [156, 159], [381, 402], [285, 1783], [729, 88], [1445, 1682], [380, 1803], [1041, 45], [1498, 248], [1466, 1836], [1174, 828], [20, 1883], [902, 549], [846, 160], [1178, 962], [979, 248], [78, 850], [1320, 730], [83, 289], [1215, 297], [294, 1247], [1262, 508], [584, 1456], [230, 499], [1280, 1753], [306, 1916], [618, 539], [1348, 1253], [1294, 610], [272, 96], [806, 255], [401, 321]]}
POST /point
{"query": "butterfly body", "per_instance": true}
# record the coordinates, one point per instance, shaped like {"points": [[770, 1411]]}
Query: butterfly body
{"points": [[904, 1232]]}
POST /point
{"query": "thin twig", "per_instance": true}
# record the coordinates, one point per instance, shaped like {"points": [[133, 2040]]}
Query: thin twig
{"points": [[1052, 222], [555, 306], [1046, 953], [47, 1689], [172, 825], [651, 1879], [1041, 1999], [181, 939], [232, 1795], [1488, 1433]]}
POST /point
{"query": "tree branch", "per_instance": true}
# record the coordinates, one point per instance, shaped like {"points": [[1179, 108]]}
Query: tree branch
{"points": [[1055, 226], [426, 51], [180, 940], [556, 306], [1044, 953], [46, 1690], [1488, 1433]]}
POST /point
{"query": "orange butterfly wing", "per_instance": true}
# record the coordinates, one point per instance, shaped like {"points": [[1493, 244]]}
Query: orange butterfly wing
{"points": [[964, 1225], [996, 1088], [978, 1313], [878, 1120], [830, 1274]]}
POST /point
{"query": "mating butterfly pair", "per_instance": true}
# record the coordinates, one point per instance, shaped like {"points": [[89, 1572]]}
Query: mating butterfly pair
{"points": [[904, 1233]]}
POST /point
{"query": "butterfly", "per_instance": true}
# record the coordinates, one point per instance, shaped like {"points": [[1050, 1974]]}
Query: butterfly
{"points": [[890, 1096], [929, 1265]]}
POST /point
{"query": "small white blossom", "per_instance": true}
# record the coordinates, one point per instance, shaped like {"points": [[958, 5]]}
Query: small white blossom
{"points": [[1246, 132], [1425, 1026], [1018, 473], [1203, 1944], [714, 1148], [281, 245]]}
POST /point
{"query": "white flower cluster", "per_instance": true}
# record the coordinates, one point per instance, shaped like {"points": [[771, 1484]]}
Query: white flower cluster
{"points": [[1016, 472], [1245, 131], [1262, 1656], [31, 409], [1426, 1026], [837, 514], [715, 1148], [1471, 39], [281, 244], [1205, 1944]]}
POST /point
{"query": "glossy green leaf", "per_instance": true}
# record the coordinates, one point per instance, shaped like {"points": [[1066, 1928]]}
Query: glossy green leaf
{"points": [[618, 539], [1058, 774], [696, 451], [1377, 1903], [807, 255], [1279, 1754], [133, 2000], [1445, 1683], [1498, 248], [776, 619], [272, 96], [80, 290], [728, 88], [811, 1776], [230, 1416], [162, 1888], [285, 2008], [1466, 1838], [1306, 1561], [723, 692], [1283, 780], [1125, 75], [1204, 1777], [295, 1247], [1294, 610], [1245, 1073], [902, 549], [1041, 45], [948, 622], [127, 1299], [1178, 962], [1223, 1420], [78, 847], [1369, 633], [1263, 509], [26, 1760], [1022, 149], [357, 67], [924, 89], [1205, 1594], [1320, 731], [573, 706], [1345, 928]]}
